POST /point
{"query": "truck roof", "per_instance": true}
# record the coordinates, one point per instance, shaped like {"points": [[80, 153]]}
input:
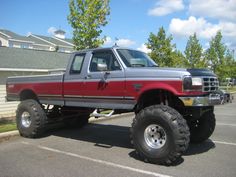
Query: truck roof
{"points": [[104, 48]]}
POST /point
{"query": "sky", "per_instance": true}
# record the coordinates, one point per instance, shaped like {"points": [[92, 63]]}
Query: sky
{"points": [[130, 21]]}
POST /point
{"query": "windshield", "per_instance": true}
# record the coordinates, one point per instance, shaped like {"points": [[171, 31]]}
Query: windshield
{"points": [[134, 58]]}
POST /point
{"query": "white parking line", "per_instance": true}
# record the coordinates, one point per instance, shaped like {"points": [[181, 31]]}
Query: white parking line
{"points": [[99, 161], [225, 114], [233, 125], [225, 143]]}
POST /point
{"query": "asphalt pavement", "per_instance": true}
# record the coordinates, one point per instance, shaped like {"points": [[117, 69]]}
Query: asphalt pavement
{"points": [[103, 149]]}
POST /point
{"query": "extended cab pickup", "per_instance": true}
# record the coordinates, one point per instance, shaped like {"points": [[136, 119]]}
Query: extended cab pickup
{"points": [[172, 106]]}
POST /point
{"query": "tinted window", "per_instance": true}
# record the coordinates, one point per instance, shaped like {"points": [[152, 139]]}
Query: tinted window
{"points": [[77, 64]]}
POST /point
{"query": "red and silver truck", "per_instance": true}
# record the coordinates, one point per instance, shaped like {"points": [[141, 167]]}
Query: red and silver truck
{"points": [[172, 106]]}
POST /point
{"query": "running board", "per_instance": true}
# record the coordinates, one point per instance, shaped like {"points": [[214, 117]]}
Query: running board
{"points": [[97, 115]]}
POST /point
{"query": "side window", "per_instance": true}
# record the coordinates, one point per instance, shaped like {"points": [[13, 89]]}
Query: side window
{"points": [[77, 64], [106, 60]]}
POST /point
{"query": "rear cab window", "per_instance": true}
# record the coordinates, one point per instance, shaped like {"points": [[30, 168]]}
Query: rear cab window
{"points": [[77, 63]]}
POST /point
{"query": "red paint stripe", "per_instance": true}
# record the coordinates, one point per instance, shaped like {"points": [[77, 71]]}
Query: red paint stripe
{"points": [[112, 88]]}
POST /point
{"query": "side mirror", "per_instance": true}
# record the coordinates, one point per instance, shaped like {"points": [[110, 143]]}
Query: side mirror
{"points": [[102, 67]]}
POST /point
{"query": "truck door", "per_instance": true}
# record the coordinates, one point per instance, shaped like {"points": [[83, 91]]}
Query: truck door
{"points": [[74, 81], [105, 81]]}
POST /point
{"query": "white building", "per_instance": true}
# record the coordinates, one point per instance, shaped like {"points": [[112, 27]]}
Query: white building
{"points": [[58, 42]]}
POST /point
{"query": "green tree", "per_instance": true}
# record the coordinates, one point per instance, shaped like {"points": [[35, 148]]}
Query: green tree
{"points": [[179, 59], [230, 65], [86, 18], [161, 48], [215, 55], [193, 53]]}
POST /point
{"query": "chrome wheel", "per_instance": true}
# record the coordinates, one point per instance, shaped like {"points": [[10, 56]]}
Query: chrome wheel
{"points": [[25, 119], [155, 136]]}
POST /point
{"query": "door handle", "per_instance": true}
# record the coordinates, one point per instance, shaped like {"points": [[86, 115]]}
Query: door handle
{"points": [[105, 75]]}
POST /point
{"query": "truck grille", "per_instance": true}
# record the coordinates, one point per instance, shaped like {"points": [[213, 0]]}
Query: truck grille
{"points": [[210, 84]]}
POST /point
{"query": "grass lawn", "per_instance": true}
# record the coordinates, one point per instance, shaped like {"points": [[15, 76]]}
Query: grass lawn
{"points": [[229, 89], [7, 127]]}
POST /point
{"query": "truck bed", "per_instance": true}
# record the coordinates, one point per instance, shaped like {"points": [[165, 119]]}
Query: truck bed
{"points": [[48, 87]]}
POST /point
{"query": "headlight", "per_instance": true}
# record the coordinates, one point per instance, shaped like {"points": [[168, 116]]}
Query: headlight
{"points": [[197, 81], [192, 84]]}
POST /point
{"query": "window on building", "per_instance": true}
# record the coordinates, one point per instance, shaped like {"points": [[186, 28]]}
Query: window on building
{"points": [[10, 44], [61, 50], [0, 43], [24, 46]]}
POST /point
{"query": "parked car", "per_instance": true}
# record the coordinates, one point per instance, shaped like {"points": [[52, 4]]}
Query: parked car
{"points": [[225, 96]]}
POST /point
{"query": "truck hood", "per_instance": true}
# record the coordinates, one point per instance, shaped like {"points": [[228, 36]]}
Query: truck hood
{"points": [[170, 73], [201, 72]]}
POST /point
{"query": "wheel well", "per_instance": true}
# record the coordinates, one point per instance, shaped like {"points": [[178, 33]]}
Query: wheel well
{"points": [[159, 96], [28, 94]]}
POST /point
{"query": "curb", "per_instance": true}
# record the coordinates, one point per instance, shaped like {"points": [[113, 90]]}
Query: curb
{"points": [[8, 135]]}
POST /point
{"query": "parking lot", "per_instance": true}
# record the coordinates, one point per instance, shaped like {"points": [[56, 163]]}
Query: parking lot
{"points": [[103, 149]]}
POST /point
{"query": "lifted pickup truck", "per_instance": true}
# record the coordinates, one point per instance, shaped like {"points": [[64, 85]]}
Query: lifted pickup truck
{"points": [[172, 106]]}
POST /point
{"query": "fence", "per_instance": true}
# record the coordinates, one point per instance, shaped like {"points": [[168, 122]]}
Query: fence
{"points": [[7, 109]]}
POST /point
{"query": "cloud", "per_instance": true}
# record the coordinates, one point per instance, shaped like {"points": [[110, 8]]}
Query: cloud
{"points": [[229, 33], [125, 42], [203, 29], [119, 42], [165, 7], [144, 48], [228, 29], [224, 14], [51, 30], [217, 9], [200, 26], [108, 41]]}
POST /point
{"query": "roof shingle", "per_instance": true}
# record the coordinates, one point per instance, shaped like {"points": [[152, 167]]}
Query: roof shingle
{"points": [[54, 40], [32, 59], [15, 36]]}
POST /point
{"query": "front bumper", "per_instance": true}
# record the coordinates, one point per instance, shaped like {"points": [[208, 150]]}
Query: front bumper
{"points": [[209, 100]]}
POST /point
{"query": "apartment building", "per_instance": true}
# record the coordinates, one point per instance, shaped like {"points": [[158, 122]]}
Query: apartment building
{"points": [[57, 42]]}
